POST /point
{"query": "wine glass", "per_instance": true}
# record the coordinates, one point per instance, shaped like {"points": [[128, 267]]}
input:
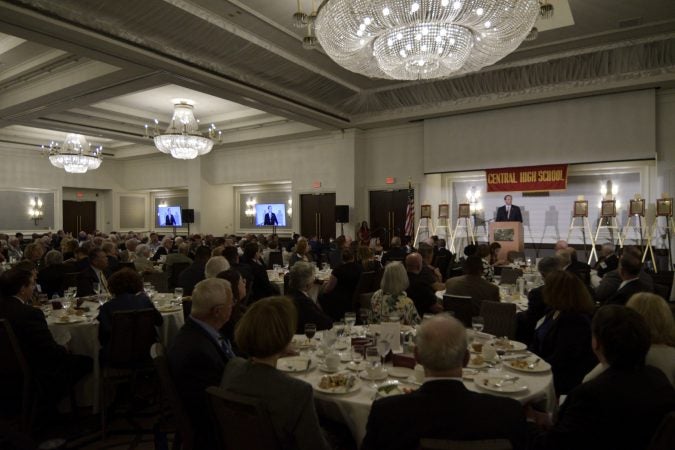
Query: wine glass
{"points": [[364, 315], [383, 348], [374, 362], [477, 323], [357, 354], [310, 330], [339, 327], [329, 338], [350, 321]]}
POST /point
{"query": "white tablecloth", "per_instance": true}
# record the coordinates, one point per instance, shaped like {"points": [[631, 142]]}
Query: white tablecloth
{"points": [[84, 341], [353, 409]]}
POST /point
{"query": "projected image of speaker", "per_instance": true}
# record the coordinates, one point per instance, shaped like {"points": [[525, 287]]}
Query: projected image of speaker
{"points": [[188, 215], [342, 213]]}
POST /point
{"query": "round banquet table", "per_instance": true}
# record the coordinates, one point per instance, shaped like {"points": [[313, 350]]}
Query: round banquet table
{"points": [[81, 338], [353, 409]]}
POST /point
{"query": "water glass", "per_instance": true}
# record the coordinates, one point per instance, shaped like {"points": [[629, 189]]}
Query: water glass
{"points": [[350, 320], [364, 316], [373, 356], [357, 354], [339, 327], [477, 323], [383, 347], [178, 294]]}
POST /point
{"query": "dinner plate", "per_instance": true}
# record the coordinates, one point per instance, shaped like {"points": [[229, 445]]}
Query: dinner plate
{"points": [[71, 319], [294, 364], [324, 368], [382, 376], [511, 384], [168, 309], [514, 346], [340, 389], [469, 374], [357, 367], [303, 343], [538, 367], [471, 365], [400, 372]]}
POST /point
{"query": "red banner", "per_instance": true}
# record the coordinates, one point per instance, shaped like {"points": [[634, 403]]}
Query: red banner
{"points": [[527, 179]]}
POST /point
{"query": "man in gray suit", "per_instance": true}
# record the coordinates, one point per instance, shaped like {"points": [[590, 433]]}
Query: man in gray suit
{"points": [[472, 284]]}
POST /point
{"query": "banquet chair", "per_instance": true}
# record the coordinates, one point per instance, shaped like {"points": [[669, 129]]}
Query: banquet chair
{"points": [[247, 416], [483, 444], [174, 272], [364, 300], [187, 307], [510, 275], [275, 258], [17, 385], [500, 318], [460, 306], [69, 280], [442, 262], [132, 334], [184, 437], [158, 279], [365, 284], [664, 438]]}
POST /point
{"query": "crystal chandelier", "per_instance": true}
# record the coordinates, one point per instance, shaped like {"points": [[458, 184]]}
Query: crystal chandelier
{"points": [[422, 39], [76, 155], [182, 139]]}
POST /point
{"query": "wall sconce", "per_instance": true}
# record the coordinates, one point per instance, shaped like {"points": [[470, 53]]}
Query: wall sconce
{"points": [[35, 212], [473, 197], [250, 208], [609, 191], [289, 211]]}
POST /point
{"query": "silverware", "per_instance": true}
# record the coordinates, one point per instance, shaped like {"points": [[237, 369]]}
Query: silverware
{"points": [[533, 364], [506, 380]]}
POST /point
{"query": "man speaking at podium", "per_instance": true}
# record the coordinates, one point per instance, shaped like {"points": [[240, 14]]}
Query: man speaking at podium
{"points": [[508, 212]]}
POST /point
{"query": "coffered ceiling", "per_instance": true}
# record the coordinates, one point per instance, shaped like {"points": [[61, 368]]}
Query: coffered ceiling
{"points": [[106, 68]]}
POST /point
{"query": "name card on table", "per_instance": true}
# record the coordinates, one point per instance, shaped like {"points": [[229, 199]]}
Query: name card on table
{"points": [[391, 332]]}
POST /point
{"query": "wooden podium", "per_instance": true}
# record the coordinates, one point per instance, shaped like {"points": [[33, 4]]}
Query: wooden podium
{"points": [[509, 235]]}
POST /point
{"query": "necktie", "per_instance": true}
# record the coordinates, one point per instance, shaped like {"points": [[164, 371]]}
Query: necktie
{"points": [[508, 212], [104, 283]]}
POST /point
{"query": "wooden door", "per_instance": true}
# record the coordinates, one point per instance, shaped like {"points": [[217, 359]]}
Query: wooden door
{"points": [[387, 214], [317, 215], [79, 216]]}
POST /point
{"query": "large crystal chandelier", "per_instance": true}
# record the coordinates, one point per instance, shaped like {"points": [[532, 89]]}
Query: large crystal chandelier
{"points": [[422, 39], [182, 138], [76, 155]]}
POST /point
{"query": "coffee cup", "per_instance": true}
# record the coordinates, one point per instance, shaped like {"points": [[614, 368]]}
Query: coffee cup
{"points": [[489, 353], [332, 361]]}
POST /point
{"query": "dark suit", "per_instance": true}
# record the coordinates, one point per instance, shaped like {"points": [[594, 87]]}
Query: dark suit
{"points": [[160, 251], [582, 270], [309, 312], [612, 280], [85, 282], [197, 361], [421, 293], [607, 265], [443, 409], [189, 278], [565, 343], [270, 219], [514, 215], [473, 286], [50, 279], [53, 368], [618, 410], [624, 294], [394, 254], [261, 282], [340, 299], [289, 402]]}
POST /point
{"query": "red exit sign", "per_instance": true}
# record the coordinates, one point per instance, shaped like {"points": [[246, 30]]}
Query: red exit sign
{"points": [[316, 184], [390, 180]]}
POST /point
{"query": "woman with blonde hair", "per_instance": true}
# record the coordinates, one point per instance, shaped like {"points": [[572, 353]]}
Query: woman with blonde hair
{"points": [[265, 333], [391, 298], [301, 252], [661, 325]]}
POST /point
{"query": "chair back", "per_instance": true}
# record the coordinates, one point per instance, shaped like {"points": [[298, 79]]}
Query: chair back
{"points": [[510, 275], [364, 300], [187, 307], [245, 415], [69, 280], [664, 438], [442, 263], [500, 318], [174, 273], [15, 388], [460, 306], [275, 258], [365, 284], [159, 280], [183, 424], [484, 444], [132, 334]]}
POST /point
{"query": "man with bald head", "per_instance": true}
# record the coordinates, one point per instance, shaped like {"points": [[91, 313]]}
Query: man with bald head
{"points": [[443, 408], [420, 290]]}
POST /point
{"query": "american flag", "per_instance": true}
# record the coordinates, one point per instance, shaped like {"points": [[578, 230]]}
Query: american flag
{"points": [[410, 211]]}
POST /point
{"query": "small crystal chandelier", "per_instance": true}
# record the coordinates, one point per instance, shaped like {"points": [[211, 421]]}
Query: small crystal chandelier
{"points": [[545, 9], [182, 138], [302, 20], [76, 155], [35, 210], [422, 39]]}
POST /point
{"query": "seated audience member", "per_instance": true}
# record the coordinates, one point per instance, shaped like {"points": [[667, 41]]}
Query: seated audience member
{"points": [[238, 284], [472, 284], [563, 339], [198, 356], [536, 307], [611, 281], [621, 408], [68, 247], [661, 326], [429, 273], [50, 278], [34, 253], [129, 253], [164, 250], [338, 293], [126, 288], [231, 253], [629, 270], [14, 249], [419, 290], [443, 408], [391, 298], [395, 253], [301, 252], [570, 263], [495, 248], [53, 368], [265, 334], [153, 244], [142, 261], [300, 282], [181, 256], [110, 250], [93, 274], [607, 261], [195, 271], [261, 282], [488, 271], [366, 259], [215, 265]]}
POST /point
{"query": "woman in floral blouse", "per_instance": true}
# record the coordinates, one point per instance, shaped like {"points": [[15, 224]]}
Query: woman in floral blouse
{"points": [[391, 297]]}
